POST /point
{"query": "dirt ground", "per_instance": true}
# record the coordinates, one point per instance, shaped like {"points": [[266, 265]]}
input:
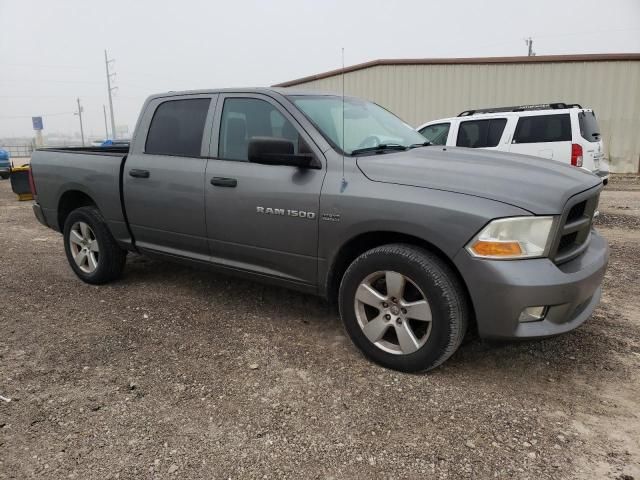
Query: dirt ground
{"points": [[180, 373]]}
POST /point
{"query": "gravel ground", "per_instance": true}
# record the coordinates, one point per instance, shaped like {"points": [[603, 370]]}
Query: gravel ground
{"points": [[180, 373]]}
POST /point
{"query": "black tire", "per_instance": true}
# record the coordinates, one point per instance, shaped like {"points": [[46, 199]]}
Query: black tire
{"points": [[111, 259], [439, 285], [4, 176]]}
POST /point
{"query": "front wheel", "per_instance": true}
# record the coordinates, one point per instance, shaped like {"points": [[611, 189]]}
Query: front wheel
{"points": [[91, 250], [403, 307]]}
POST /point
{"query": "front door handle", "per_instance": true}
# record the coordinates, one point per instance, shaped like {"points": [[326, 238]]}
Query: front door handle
{"points": [[224, 182], [134, 172]]}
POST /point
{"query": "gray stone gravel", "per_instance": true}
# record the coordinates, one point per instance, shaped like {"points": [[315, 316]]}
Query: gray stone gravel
{"points": [[180, 373]]}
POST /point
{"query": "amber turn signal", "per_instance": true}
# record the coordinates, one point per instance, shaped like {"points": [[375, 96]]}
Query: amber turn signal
{"points": [[485, 248]]}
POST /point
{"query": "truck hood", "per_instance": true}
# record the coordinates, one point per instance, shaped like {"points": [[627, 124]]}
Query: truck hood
{"points": [[535, 184]]}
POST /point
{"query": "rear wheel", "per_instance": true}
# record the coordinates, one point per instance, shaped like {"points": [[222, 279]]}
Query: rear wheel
{"points": [[91, 250], [403, 307]]}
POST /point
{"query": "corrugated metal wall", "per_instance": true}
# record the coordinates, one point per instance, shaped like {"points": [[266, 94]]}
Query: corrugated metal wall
{"points": [[420, 93]]}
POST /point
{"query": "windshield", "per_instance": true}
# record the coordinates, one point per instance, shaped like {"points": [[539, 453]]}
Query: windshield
{"points": [[366, 125]]}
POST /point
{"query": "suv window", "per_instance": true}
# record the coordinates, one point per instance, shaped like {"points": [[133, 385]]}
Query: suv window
{"points": [[436, 134], [244, 118], [177, 127], [543, 128], [589, 128], [480, 133]]}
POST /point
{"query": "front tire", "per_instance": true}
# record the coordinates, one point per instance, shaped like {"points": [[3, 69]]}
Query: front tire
{"points": [[403, 307], [92, 252]]}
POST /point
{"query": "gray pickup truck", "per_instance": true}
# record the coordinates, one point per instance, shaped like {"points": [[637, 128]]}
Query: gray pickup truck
{"points": [[337, 197]]}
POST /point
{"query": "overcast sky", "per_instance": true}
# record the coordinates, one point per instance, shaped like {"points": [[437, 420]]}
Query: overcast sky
{"points": [[52, 51]]}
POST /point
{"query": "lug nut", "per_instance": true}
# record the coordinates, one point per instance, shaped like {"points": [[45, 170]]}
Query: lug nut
{"points": [[393, 299], [385, 304], [399, 321], [387, 317], [404, 310]]}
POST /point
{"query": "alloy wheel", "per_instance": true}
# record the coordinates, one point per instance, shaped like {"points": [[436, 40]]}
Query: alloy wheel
{"points": [[84, 247], [393, 312]]}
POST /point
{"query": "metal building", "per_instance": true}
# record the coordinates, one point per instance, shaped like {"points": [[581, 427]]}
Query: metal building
{"points": [[420, 90]]}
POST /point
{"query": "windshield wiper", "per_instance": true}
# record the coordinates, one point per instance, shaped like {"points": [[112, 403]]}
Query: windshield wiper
{"points": [[423, 144], [383, 147]]}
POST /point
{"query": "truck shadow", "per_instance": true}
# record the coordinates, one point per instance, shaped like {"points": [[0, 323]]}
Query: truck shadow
{"points": [[295, 314]]}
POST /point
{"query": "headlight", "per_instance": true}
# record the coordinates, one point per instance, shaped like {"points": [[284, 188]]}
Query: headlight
{"points": [[511, 238]]}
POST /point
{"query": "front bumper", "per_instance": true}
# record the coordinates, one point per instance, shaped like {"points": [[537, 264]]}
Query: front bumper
{"points": [[500, 290]]}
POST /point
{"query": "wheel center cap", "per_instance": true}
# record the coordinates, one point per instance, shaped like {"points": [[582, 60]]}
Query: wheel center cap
{"points": [[395, 310]]}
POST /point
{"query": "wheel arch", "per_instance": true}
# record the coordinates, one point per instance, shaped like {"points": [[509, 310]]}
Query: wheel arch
{"points": [[363, 242], [69, 201]]}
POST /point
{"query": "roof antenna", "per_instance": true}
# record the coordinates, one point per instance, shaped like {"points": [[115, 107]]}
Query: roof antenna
{"points": [[344, 142]]}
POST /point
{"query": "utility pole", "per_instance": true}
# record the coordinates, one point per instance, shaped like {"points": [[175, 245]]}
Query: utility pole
{"points": [[79, 113], [529, 43], [106, 128], [110, 90]]}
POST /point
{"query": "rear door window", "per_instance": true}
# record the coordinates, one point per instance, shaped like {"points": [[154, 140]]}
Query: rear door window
{"points": [[177, 128], [543, 129], [481, 133], [436, 134], [589, 128]]}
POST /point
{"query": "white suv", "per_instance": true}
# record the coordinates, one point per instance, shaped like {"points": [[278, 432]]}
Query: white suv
{"points": [[564, 132]]}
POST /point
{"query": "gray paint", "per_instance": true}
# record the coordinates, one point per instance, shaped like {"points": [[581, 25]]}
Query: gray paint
{"points": [[441, 196], [535, 184]]}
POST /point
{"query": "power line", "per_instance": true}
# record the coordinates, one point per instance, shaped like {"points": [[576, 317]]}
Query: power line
{"points": [[44, 80], [39, 115]]}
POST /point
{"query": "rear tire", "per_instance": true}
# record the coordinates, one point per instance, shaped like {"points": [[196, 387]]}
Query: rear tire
{"points": [[4, 176], [92, 252], [403, 307]]}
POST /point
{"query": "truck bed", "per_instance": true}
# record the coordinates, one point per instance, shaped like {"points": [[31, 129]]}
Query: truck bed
{"points": [[94, 172]]}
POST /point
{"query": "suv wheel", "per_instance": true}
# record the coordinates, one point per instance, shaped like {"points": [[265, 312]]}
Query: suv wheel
{"points": [[403, 307], [91, 250]]}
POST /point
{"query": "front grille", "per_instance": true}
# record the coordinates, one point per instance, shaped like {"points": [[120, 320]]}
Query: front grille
{"points": [[567, 242], [576, 211], [574, 228]]}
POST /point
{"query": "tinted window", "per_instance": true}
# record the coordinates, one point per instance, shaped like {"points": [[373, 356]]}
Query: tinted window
{"points": [[245, 118], [177, 128], [589, 128], [480, 133], [543, 128], [496, 127], [436, 134]]}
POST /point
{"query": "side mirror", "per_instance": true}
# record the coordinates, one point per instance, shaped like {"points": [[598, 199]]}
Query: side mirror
{"points": [[277, 151]]}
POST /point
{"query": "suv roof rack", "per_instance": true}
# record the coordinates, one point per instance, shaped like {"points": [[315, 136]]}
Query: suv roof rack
{"points": [[521, 108]]}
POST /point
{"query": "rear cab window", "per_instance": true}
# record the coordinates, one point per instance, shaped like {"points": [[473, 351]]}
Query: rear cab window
{"points": [[437, 133], [589, 128], [480, 133], [543, 129], [177, 128]]}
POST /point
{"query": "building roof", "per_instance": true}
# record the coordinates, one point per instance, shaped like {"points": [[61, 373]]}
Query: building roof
{"points": [[592, 57]]}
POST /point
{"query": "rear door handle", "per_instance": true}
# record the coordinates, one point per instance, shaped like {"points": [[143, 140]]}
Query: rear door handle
{"points": [[224, 182], [134, 172]]}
